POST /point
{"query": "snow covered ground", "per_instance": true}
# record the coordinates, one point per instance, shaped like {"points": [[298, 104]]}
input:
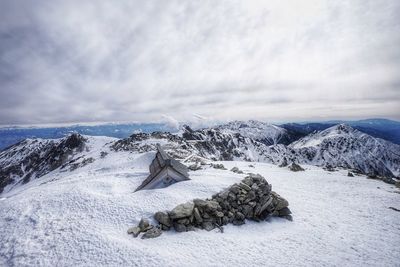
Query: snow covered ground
{"points": [[80, 218]]}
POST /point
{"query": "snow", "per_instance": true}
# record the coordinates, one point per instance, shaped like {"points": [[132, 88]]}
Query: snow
{"points": [[80, 218], [256, 130]]}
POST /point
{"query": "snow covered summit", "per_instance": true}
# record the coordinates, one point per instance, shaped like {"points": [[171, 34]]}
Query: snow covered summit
{"points": [[346, 147]]}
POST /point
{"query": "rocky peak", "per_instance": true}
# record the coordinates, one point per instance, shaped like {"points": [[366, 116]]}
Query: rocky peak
{"points": [[33, 158]]}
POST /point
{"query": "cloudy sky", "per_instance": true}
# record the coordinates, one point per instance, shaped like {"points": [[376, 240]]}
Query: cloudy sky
{"points": [[86, 61]]}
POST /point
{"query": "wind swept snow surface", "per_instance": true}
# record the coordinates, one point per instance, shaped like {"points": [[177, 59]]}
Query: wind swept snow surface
{"points": [[80, 218]]}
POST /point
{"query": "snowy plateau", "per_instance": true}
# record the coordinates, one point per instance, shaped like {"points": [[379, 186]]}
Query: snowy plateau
{"points": [[70, 201]]}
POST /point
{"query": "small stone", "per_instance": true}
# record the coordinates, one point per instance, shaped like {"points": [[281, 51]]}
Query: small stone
{"points": [[295, 167], [212, 205], [255, 187], [219, 214], [248, 181], [234, 189], [245, 186], [206, 215], [152, 233], [164, 227], [208, 226], [282, 203], [182, 211], [218, 166], [199, 203], [184, 221], [134, 230], [197, 215], [256, 177], [236, 170], [144, 224], [238, 222], [350, 174], [179, 227], [284, 212], [163, 218], [239, 216], [190, 228]]}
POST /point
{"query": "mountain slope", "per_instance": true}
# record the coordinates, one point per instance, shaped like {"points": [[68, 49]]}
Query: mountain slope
{"points": [[34, 158], [262, 132], [344, 146], [80, 218], [339, 146]]}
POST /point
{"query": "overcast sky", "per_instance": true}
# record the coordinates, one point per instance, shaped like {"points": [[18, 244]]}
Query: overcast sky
{"points": [[85, 61]]}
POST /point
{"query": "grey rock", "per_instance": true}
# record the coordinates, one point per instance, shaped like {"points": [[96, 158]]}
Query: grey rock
{"points": [[256, 177], [163, 218], [208, 226], [184, 221], [248, 181], [218, 166], [282, 203], [199, 203], [144, 224], [135, 231], [238, 222], [190, 228], [197, 215], [265, 205], [152, 233], [165, 228], [219, 214], [284, 212], [245, 186], [182, 211], [212, 206], [239, 216], [236, 170], [295, 167], [179, 227]]}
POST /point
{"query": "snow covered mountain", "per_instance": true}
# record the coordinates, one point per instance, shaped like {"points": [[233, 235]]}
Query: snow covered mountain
{"points": [[339, 146], [80, 201], [265, 133], [346, 147]]}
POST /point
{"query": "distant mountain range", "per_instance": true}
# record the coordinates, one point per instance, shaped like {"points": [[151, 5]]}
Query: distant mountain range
{"points": [[266, 133], [339, 146]]}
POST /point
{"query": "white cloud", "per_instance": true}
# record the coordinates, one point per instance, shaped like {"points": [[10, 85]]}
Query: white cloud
{"points": [[136, 60]]}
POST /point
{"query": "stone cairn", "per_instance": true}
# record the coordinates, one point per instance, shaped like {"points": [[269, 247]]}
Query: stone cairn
{"points": [[251, 199]]}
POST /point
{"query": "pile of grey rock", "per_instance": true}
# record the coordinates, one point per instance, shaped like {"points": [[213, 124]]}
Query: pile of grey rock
{"points": [[251, 199]]}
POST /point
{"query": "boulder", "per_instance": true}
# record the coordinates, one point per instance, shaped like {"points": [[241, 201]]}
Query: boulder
{"points": [[163, 218], [182, 211]]}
